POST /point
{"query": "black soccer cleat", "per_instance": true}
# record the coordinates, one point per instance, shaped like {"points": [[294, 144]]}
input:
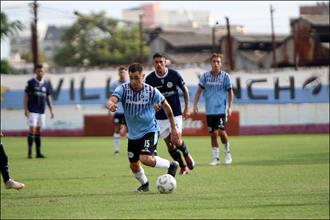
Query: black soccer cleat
{"points": [[40, 156], [173, 168], [143, 187]]}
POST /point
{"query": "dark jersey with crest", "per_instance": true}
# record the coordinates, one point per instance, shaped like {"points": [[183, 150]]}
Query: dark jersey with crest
{"points": [[168, 86], [37, 92]]}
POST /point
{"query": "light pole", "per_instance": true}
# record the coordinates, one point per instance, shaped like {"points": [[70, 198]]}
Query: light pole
{"points": [[141, 38]]}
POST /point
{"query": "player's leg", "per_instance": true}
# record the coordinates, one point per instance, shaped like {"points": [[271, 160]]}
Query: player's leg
{"points": [[215, 148], [9, 183], [182, 146], [116, 138], [164, 126], [175, 154], [148, 158], [32, 123], [4, 164], [139, 174], [37, 135], [213, 131], [224, 139], [133, 153]]}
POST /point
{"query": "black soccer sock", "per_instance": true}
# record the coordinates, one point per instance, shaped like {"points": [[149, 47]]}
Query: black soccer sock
{"points": [[4, 164], [175, 154], [183, 149], [37, 140], [30, 139]]}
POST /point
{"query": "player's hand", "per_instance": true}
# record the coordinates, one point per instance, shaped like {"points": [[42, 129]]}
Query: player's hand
{"points": [[195, 109], [157, 107], [186, 113], [229, 111], [51, 114], [26, 113], [112, 106]]}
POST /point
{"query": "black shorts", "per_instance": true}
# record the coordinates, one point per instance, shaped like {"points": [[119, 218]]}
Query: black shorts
{"points": [[145, 145], [215, 122], [119, 119]]}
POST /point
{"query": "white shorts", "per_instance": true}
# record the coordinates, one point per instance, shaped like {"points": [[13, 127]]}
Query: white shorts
{"points": [[165, 126], [36, 120]]}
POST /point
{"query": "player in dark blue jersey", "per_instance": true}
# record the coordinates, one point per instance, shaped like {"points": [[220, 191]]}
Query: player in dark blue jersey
{"points": [[167, 81], [217, 89], [119, 117], [138, 100], [37, 94]]}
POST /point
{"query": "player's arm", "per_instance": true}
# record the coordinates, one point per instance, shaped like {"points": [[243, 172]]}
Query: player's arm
{"points": [[50, 105], [174, 132], [26, 99], [112, 104], [196, 99], [186, 111], [230, 101]]}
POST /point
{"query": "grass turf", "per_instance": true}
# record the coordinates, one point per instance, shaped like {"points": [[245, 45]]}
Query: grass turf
{"points": [[280, 176]]}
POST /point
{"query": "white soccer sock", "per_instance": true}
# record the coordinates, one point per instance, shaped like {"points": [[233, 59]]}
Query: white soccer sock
{"points": [[162, 163], [116, 137], [141, 177], [215, 151], [226, 147]]}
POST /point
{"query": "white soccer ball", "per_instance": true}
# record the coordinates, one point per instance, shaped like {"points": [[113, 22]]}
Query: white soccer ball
{"points": [[166, 183]]}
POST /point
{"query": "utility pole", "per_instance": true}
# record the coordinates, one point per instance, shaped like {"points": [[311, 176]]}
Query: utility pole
{"points": [[213, 39], [34, 36], [274, 64], [141, 38], [230, 52]]}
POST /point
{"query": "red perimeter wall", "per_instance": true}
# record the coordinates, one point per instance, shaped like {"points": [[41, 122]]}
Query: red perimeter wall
{"points": [[101, 125]]}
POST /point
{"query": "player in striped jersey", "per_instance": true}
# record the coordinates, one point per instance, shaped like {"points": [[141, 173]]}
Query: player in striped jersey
{"points": [[217, 89], [138, 101], [119, 118]]}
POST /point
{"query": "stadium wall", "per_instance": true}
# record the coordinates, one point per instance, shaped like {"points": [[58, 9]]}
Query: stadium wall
{"points": [[287, 101]]}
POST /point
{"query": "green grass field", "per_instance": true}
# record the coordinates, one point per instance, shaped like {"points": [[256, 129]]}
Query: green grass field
{"points": [[280, 176]]}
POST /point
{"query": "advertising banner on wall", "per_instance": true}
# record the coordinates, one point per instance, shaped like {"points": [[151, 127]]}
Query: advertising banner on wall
{"points": [[302, 86]]}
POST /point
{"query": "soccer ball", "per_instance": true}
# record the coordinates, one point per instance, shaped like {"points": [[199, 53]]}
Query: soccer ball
{"points": [[166, 183]]}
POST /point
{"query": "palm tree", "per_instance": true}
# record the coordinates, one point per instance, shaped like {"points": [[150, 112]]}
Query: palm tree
{"points": [[9, 28]]}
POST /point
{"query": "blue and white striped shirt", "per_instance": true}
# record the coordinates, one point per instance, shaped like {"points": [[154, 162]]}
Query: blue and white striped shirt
{"points": [[139, 108], [215, 92]]}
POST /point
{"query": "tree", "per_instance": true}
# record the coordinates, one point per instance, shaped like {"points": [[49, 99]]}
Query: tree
{"points": [[8, 29], [96, 40]]}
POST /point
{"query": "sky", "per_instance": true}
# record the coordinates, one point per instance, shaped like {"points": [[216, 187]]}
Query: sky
{"points": [[253, 15]]}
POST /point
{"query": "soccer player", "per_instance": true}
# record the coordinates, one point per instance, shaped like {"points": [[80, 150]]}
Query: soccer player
{"points": [[138, 101], [9, 183], [119, 118], [37, 94], [216, 86], [167, 81]]}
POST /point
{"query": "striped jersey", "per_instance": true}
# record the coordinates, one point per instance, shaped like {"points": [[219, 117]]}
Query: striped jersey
{"points": [[215, 92], [139, 108]]}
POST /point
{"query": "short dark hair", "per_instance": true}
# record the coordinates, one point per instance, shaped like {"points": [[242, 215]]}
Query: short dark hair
{"points": [[135, 67], [158, 55], [122, 68], [217, 55], [38, 66]]}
